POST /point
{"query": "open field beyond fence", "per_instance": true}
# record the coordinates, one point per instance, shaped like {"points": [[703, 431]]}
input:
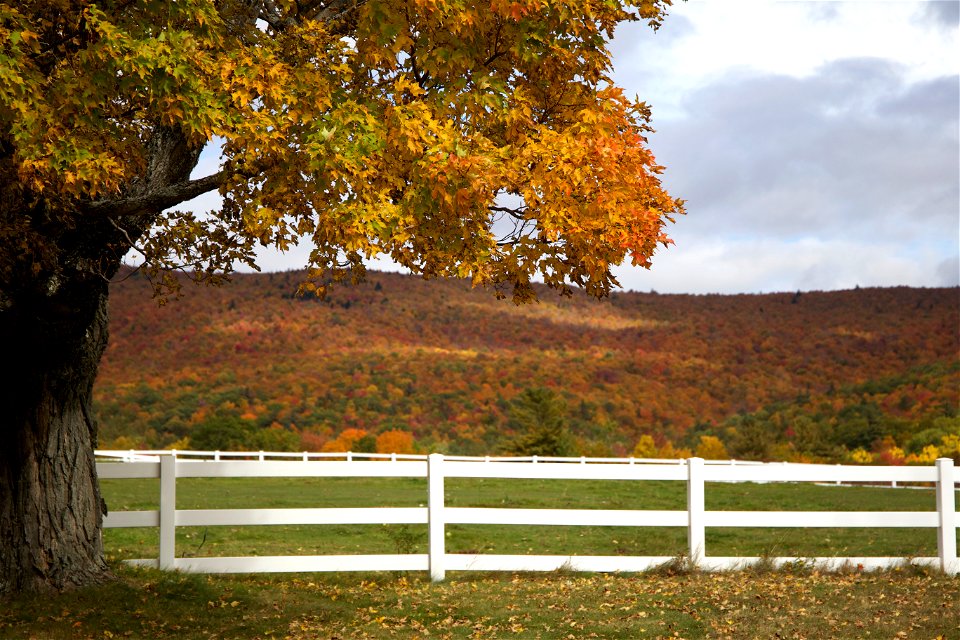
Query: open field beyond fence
{"points": [[252, 493], [508, 516]]}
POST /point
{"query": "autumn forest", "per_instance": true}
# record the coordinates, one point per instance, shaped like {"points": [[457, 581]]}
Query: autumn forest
{"points": [[399, 364]]}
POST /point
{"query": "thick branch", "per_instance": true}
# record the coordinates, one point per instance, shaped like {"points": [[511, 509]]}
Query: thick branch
{"points": [[156, 200]]}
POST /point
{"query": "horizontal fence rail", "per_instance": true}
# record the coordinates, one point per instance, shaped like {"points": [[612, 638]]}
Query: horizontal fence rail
{"points": [[169, 466], [152, 455]]}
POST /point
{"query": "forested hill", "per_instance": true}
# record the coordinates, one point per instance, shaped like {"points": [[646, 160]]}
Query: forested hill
{"points": [[251, 364]]}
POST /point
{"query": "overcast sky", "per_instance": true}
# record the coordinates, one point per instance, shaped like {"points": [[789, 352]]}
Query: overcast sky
{"points": [[816, 144]]}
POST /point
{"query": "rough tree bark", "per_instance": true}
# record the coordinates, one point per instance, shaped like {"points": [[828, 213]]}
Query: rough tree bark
{"points": [[56, 260], [50, 504]]}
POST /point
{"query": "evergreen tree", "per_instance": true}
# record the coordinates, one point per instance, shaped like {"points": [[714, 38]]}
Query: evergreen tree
{"points": [[539, 418]]}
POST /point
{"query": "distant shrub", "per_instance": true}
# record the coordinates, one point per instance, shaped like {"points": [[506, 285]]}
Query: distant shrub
{"points": [[395, 441]]}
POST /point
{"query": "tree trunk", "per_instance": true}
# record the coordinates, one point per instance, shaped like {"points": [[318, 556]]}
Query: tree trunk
{"points": [[51, 511], [56, 258]]}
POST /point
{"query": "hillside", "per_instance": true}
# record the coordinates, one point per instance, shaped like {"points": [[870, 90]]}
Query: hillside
{"points": [[252, 362]]}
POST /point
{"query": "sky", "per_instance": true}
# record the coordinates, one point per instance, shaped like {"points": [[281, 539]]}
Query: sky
{"points": [[817, 144]]}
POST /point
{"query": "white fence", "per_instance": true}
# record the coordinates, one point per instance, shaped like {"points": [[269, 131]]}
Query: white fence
{"points": [[435, 468]]}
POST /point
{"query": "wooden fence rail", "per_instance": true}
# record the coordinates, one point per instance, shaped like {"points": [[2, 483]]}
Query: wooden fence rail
{"points": [[695, 472]]}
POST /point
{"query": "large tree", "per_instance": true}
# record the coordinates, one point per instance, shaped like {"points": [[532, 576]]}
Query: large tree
{"points": [[479, 139]]}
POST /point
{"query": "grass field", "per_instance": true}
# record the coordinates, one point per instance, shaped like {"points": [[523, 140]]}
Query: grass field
{"points": [[407, 492], [797, 602]]}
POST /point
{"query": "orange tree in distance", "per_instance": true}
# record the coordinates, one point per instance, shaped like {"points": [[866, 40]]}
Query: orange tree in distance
{"points": [[381, 127]]}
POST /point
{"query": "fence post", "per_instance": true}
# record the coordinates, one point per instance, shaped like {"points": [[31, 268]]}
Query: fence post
{"points": [[168, 511], [436, 533], [696, 532], [947, 520]]}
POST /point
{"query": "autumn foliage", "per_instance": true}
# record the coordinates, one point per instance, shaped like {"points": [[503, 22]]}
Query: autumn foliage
{"points": [[852, 376], [478, 139]]}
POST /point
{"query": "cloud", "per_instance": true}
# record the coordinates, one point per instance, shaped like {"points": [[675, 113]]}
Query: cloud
{"points": [[854, 154], [846, 176], [760, 265], [633, 37], [823, 11], [944, 14], [948, 272]]}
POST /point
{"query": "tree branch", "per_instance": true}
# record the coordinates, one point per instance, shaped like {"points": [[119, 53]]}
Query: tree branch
{"points": [[156, 200], [517, 213]]}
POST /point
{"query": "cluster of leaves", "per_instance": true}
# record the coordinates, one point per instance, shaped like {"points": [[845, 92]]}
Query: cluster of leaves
{"points": [[707, 447], [445, 364], [360, 441], [800, 603]]}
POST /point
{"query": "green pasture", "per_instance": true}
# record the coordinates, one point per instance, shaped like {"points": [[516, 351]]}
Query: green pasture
{"points": [[211, 493]]}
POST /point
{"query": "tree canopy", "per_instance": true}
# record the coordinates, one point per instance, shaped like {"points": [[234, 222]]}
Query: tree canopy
{"points": [[474, 139]]}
